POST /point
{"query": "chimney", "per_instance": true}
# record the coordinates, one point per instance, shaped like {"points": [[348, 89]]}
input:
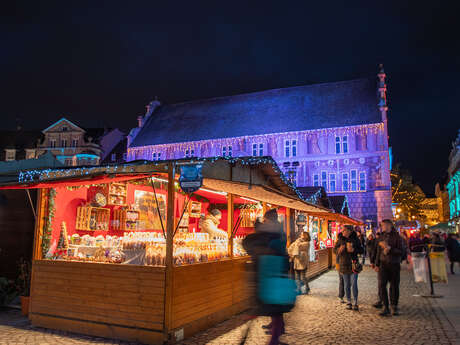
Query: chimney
{"points": [[140, 121]]}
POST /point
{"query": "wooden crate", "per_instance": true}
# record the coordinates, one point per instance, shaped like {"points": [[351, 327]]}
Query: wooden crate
{"points": [[92, 218]]}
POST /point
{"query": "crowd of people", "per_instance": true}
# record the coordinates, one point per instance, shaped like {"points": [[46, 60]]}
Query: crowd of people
{"points": [[386, 250]]}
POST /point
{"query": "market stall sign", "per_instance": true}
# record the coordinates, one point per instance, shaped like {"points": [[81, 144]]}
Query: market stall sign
{"points": [[329, 243], [191, 178]]}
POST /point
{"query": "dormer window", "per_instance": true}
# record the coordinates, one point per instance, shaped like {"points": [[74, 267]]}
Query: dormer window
{"points": [[65, 128], [10, 155]]}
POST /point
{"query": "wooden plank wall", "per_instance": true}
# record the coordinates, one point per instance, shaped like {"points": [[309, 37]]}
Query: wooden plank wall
{"points": [[109, 300], [205, 294], [319, 266]]}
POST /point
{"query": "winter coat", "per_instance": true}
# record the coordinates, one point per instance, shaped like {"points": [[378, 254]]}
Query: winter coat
{"points": [[210, 225], [396, 252], [371, 248], [453, 249], [438, 244], [345, 259], [416, 245], [299, 253], [268, 242]]}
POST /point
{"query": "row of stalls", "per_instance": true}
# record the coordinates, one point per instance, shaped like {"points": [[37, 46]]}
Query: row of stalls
{"points": [[123, 252]]}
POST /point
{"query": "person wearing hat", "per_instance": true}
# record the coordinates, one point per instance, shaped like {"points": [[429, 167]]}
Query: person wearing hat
{"points": [[347, 249], [210, 224]]}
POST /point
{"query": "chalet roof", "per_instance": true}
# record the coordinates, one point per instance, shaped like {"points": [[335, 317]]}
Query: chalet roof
{"points": [[327, 105]]}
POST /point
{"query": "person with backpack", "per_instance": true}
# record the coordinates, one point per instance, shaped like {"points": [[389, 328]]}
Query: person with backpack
{"points": [[390, 251], [347, 248], [275, 292]]}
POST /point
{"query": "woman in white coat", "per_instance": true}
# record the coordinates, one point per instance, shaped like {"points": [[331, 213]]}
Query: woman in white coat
{"points": [[299, 252]]}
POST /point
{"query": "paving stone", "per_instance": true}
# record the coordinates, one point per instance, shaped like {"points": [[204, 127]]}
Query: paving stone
{"points": [[317, 319]]}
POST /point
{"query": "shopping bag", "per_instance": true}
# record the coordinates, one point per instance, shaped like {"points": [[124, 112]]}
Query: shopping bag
{"points": [[420, 266], [438, 267]]}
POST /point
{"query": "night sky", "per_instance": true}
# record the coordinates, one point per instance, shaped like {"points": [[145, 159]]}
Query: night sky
{"points": [[99, 63]]}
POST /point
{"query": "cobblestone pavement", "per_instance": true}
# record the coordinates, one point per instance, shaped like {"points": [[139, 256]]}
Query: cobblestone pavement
{"points": [[316, 319], [320, 319]]}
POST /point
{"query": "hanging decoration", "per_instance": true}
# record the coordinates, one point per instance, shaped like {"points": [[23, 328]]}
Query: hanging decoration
{"points": [[48, 228]]}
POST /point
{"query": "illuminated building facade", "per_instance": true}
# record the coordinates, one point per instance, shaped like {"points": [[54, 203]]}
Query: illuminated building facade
{"points": [[332, 135], [453, 185]]}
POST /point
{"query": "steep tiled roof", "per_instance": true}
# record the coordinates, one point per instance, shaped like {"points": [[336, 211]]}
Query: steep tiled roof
{"points": [[327, 105], [315, 195], [339, 204]]}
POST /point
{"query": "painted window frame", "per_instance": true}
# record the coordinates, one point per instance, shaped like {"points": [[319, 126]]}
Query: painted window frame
{"points": [[30, 153], [324, 181], [74, 142], [355, 180], [189, 152], [316, 180], [345, 145], [347, 184], [293, 147], [9, 152], [63, 142], [338, 145], [254, 149], [362, 180], [287, 148], [332, 181], [52, 143], [227, 151]]}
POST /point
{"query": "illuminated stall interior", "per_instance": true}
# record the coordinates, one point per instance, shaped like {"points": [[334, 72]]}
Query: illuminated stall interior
{"points": [[123, 252]]}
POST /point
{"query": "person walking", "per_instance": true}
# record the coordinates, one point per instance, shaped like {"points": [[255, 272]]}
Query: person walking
{"points": [[372, 256], [453, 251], [299, 252], [388, 265], [362, 239], [337, 268], [347, 248], [437, 243], [268, 241]]}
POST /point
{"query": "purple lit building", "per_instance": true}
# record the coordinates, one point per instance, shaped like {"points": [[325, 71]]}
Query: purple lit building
{"points": [[333, 135]]}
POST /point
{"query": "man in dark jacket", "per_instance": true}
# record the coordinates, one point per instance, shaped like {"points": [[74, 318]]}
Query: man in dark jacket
{"points": [[388, 264]]}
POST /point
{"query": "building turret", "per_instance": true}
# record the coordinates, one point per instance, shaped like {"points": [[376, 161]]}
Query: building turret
{"points": [[382, 91]]}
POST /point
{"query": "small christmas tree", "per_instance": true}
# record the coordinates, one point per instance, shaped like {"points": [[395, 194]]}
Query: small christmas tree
{"points": [[63, 243]]}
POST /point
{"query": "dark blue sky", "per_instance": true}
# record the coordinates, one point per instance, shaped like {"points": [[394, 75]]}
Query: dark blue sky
{"points": [[100, 62]]}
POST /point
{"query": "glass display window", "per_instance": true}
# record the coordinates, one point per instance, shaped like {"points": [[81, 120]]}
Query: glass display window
{"points": [[117, 222]]}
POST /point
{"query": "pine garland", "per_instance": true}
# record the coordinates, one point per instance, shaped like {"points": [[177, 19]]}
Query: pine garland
{"points": [[48, 228]]}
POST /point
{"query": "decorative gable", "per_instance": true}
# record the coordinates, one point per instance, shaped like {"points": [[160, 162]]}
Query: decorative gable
{"points": [[63, 125]]}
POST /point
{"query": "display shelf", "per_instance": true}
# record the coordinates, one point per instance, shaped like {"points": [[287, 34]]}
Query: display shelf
{"points": [[125, 220], [92, 218]]}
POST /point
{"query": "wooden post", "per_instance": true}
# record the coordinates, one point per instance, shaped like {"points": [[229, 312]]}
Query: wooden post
{"points": [[230, 222], [264, 207], [288, 225], [41, 202], [169, 283]]}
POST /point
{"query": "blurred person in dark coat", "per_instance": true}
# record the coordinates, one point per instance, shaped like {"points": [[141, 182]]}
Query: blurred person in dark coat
{"points": [[269, 240]]}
